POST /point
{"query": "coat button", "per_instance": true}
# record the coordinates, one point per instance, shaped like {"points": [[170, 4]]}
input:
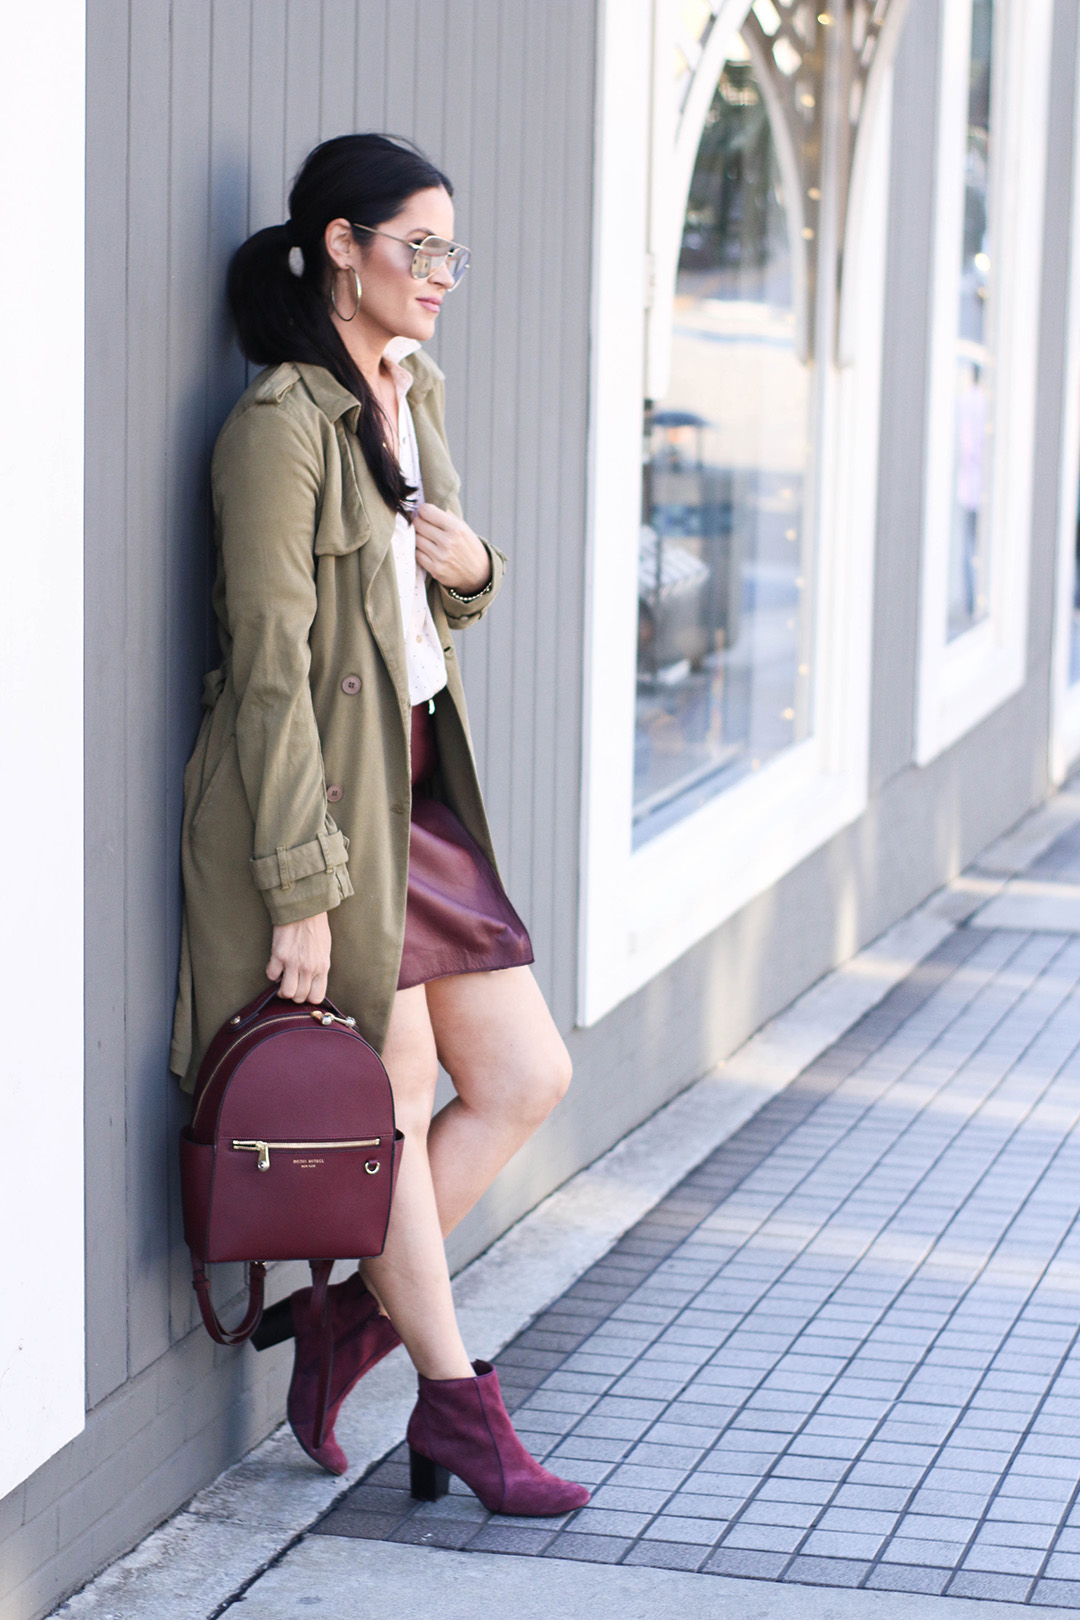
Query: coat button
{"points": [[334, 793], [351, 685]]}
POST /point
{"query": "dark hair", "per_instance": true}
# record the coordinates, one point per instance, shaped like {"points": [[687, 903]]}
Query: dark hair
{"points": [[366, 179]]}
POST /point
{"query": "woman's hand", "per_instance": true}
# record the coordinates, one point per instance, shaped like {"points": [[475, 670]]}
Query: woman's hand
{"points": [[300, 958], [449, 550]]}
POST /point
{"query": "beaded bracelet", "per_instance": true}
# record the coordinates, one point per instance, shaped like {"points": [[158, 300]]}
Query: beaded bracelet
{"points": [[450, 591]]}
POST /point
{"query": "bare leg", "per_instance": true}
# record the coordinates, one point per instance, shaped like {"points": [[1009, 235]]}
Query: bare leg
{"points": [[410, 1277], [498, 1042]]}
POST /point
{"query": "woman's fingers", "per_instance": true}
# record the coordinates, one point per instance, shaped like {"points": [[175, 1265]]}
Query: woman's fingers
{"points": [[430, 556], [300, 959], [433, 517], [449, 550]]}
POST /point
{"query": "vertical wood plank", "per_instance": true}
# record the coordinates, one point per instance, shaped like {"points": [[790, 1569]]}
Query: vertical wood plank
{"points": [[523, 300], [269, 176], [369, 89], [210, 186], [337, 69], [458, 322], [229, 182], [106, 892], [400, 68], [545, 222], [147, 856], [452, 152], [575, 190], [480, 406], [505, 383], [429, 79], [303, 47]]}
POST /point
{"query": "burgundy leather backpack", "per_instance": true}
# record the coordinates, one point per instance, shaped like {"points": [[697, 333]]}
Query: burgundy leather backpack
{"points": [[291, 1153]]}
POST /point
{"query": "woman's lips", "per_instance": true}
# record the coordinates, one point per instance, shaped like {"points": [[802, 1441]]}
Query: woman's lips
{"points": [[433, 304]]}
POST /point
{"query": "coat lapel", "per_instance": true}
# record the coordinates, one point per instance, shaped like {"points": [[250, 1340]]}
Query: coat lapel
{"points": [[375, 520], [441, 482], [378, 582]]}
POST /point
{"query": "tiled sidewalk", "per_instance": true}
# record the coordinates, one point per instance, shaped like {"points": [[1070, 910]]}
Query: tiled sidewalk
{"points": [[844, 1351]]}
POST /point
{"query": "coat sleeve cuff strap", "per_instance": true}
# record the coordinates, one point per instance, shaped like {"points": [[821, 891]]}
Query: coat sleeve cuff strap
{"points": [[287, 866]]}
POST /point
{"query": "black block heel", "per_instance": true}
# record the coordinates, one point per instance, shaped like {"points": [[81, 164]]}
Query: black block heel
{"points": [[276, 1325], [427, 1480]]}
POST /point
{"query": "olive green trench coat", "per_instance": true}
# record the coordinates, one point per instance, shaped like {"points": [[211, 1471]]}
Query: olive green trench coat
{"points": [[310, 708]]}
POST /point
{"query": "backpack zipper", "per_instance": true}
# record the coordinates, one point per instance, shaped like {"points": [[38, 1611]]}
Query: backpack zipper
{"points": [[263, 1148], [326, 1019]]}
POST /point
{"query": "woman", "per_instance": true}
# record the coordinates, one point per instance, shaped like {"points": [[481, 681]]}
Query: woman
{"points": [[334, 833]]}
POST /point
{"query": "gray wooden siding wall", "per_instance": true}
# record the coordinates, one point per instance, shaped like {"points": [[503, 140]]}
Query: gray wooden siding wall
{"points": [[200, 114], [199, 111]]}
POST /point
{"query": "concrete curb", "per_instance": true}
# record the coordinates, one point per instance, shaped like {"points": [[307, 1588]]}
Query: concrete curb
{"points": [[336, 1578]]}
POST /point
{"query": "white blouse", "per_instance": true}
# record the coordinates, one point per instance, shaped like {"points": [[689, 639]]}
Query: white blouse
{"points": [[425, 662]]}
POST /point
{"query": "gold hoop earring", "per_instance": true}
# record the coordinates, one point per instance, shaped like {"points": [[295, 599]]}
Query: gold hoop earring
{"points": [[356, 306]]}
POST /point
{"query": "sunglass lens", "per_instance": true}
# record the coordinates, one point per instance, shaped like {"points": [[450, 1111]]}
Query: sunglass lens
{"points": [[429, 255], [434, 251], [459, 263]]}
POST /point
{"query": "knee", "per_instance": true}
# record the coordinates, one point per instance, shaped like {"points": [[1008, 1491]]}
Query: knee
{"points": [[546, 1084], [562, 1074]]}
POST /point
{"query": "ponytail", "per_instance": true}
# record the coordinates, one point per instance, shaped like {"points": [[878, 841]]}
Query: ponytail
{"points": [[280, 315]]}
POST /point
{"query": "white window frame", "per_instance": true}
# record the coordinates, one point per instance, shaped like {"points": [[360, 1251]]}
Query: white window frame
{"points": [[1065, 698], [642, 909], [964, 680], [42, 1238]]}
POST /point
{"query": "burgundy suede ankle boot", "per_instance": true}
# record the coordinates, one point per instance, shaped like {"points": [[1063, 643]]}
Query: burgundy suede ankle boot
{"points": [[460, 1426], [361, 1338]]}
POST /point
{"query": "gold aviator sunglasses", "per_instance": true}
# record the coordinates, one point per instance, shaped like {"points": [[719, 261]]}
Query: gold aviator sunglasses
{"points": [[429, 254]]}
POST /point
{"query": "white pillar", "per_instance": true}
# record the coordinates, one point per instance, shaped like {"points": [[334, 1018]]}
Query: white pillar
{"points": [[42, 1271]]}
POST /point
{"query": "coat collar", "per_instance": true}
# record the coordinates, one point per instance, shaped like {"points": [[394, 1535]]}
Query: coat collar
{"points": [[337, 402]]}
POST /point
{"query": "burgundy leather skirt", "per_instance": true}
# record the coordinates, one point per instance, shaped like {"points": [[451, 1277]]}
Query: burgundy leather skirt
{"points": [[457, 916]]}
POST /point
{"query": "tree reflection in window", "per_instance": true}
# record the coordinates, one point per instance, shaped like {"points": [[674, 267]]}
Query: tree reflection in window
{"points": [[723, 639]]}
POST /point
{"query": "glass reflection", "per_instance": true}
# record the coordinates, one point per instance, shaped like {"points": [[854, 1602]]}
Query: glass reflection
{"points": [[723, 628], [967, 600]]}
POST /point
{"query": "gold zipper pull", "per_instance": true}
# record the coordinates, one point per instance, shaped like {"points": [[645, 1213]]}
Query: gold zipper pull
{"points": [[261, 1148]]}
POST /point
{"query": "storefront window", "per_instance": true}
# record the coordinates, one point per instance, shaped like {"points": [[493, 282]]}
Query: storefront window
{"points": [[723, 680], [968, 549]]}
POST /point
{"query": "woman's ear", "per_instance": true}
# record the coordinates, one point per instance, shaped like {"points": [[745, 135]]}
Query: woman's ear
{"points": [[340, 243]]}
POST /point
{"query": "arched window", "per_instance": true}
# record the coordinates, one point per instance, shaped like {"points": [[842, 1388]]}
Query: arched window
{"points": [[724, 617], [733, 458]]}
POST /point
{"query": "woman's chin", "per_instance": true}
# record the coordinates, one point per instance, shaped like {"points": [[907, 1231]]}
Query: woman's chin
{"points": [[419, 324]]}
